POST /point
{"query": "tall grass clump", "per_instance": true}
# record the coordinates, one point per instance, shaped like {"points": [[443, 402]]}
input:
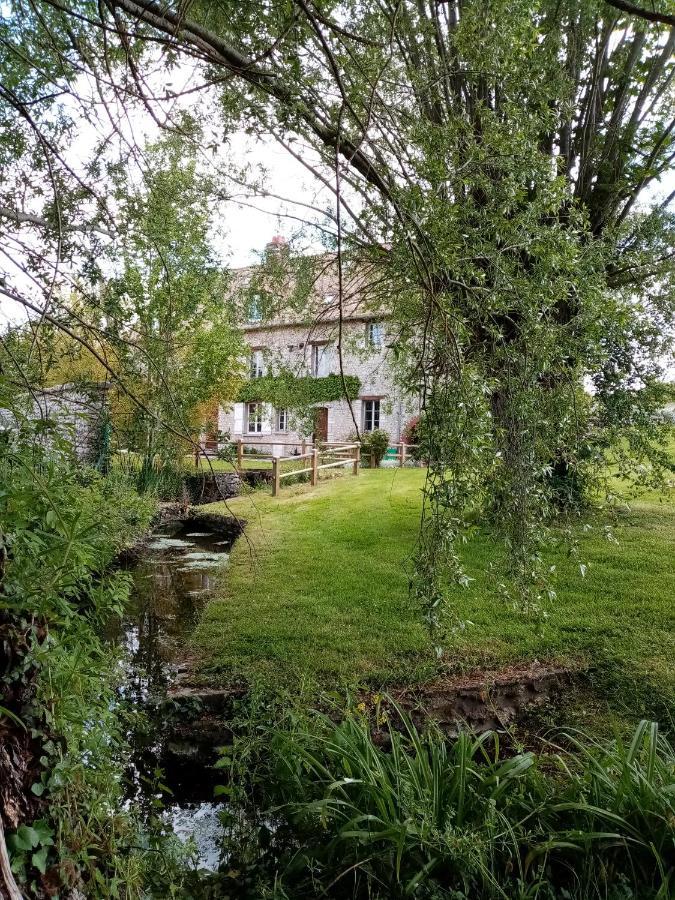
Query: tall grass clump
{"points": [[407, 813]]}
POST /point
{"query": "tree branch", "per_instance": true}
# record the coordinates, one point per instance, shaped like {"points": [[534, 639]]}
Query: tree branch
{"points": [[648, 14], [22, 218]]}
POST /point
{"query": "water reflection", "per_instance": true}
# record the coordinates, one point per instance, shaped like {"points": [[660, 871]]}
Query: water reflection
{"points": [[172, 582]]}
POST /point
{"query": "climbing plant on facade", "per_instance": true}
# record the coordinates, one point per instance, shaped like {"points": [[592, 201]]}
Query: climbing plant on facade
{"points": [[296, 392]]}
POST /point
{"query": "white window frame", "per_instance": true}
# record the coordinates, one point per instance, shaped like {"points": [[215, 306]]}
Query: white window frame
{"points": [[319, 358], [372, 409], [254, 417], [254, 308], [281, 418], [374, 335], [256, 367]]}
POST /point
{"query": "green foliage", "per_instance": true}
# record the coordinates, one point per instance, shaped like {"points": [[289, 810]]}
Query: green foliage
{"points": [[297, 392], [374, 445], [412, 814], [185, 354], [62, 525]]}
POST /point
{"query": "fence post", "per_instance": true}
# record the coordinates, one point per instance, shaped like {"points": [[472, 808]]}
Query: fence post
{"points": [[315, 467], [357, 459], [304, 446], [401, 460], [276, 484], [372, 460], [240, 454]]}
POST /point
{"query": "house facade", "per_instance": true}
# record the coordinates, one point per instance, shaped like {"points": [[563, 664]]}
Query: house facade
{"points": [[301, 338]]}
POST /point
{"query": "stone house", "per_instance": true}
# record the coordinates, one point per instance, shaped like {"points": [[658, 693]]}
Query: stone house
{"points": [[300, 335]]}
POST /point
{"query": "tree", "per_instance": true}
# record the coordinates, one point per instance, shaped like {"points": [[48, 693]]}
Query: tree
{"points": [[181, 351], [497, 162]]}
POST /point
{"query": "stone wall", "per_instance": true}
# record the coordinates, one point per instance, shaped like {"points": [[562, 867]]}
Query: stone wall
{"points": [[76, 412], [210, 488]]}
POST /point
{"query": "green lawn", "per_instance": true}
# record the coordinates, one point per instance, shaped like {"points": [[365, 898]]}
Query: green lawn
{"points": [[222, 465], [318, 588], [317, 585]]}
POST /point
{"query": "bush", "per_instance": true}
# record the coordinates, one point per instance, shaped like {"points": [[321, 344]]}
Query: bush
{"points": [[374, 445], [413, 435]]}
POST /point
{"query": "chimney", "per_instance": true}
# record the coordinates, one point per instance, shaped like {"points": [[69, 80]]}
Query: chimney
{"points": [[277, 246]]}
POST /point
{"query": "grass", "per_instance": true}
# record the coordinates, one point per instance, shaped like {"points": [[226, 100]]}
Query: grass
{"points": [[223, 465], [318, 589]]}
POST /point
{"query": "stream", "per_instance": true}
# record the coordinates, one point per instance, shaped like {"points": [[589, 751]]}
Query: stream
{"points": [[178, 570]]}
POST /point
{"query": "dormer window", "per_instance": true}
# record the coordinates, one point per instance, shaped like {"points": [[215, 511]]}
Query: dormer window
{"points": [[255, 309], [374, 335], [256, 366]]}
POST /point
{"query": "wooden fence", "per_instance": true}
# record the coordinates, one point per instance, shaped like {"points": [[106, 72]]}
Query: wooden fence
{"points": [[242, 455], [312, 458], [342, 455]]}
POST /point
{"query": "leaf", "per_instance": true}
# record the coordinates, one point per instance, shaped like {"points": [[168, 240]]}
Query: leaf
{"points": [[26, 837], [39, 859], [222, 790], [45, 832], [10, 715]]}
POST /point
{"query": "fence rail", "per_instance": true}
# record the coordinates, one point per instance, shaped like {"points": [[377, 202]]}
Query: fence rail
{"points": [[401, 454], [336, 454], [344, 454], [242, 444]]}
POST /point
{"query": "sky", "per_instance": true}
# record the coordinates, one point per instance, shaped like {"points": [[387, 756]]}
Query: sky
{"points": [[245, 223]]}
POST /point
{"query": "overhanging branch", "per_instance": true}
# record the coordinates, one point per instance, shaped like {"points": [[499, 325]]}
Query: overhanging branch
{"points": [[23, 218], [651, 15]]}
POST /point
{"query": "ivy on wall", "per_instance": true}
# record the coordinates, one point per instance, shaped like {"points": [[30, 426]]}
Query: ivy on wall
{"points": [[295, 392]]}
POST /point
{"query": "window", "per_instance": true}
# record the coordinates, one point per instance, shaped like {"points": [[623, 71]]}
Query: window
{"points": [[282, 420], [256, 364], [371, 415], [328, 298], [321, 360], [374, 335], [255, 308], [254, 417]]}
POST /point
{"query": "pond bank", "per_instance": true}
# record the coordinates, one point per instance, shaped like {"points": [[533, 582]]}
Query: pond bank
{"points": [[323, 598]]}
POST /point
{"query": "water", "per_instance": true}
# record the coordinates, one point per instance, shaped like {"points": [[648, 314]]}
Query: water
{"points": [[172, 581]]}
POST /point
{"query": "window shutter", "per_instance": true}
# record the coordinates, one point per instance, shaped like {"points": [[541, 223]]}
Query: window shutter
{"points": [[238, 418]]}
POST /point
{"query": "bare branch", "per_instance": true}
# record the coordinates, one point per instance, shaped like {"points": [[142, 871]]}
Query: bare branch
{"points": [[649, 14]]}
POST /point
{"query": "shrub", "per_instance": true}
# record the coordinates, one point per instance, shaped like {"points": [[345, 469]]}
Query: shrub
{"points": [[413, 434], [374, 445], [412, 814]]}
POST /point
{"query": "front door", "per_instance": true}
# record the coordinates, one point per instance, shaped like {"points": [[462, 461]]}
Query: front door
{"points": [[320, 424]]}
